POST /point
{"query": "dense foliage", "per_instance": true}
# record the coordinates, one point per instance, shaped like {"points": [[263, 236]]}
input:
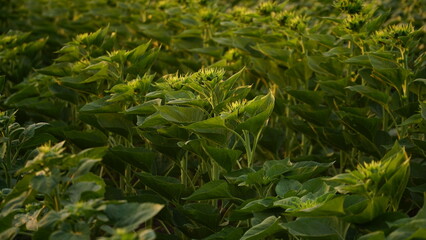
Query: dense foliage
{"points": [[194, 119]]}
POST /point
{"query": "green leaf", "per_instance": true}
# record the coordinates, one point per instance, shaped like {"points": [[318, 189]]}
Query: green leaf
{"points": [[378, 235], [382, 61], [363, 60], [212, 128], [101, 106], [423, 110], [44, 184], [227, 233], [203, 213], [57, 70], [96, 38], [138, 53], [259, 205], [229, 83], [275, 168], [87, 139], [267, 227], [217, 189], [371, 93], [177, 114], [307, 169], [313, 98], [258, 110], [211, 51], [318, 116], [138, 157], [225, 157], [333, 207], [168, 187], [131, 215], [114, 122], [325, 227], [145, 108], [322, 65], [287, 187], [85, 187], [365, 210]]}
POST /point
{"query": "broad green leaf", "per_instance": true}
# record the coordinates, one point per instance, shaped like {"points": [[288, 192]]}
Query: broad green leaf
{"points": [[225, 157], [415, 229], [365, 126], [267, 227], [217, 189], [87, 139], [211, 51], [382, 61], [212, 128], [100, 75], [287, 187], [321, 65], [71, 235], [168, 187], [227, 233], [44, 184], [138, 53], [275, 52], [259, 109], [115, 122], [305, 227], [153, 31], [313, 98], [276, 168], [371, 93], [85, 187], [101, 106], [318, 116], [95, 38], [333, 207], [337, 51], [131, 215], [63, 93], [325, 39], [307, 169], [365, 210], [203, 213], [147, 107], [141, 65], [177, 114], [423, 109], [229, 83], [259, 205], [363, 60], [22, 94], [56, 70], [153, 120], [414, 119], [138, 157], [378, 235]]}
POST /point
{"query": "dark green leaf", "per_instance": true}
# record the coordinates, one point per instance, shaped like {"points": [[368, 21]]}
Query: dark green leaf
{"points": [[217, 189]]}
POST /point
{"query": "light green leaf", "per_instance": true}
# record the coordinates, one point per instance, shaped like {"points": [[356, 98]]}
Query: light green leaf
{"points": [[326, 227], [266, 228], [180, 114], [287, 187]]}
